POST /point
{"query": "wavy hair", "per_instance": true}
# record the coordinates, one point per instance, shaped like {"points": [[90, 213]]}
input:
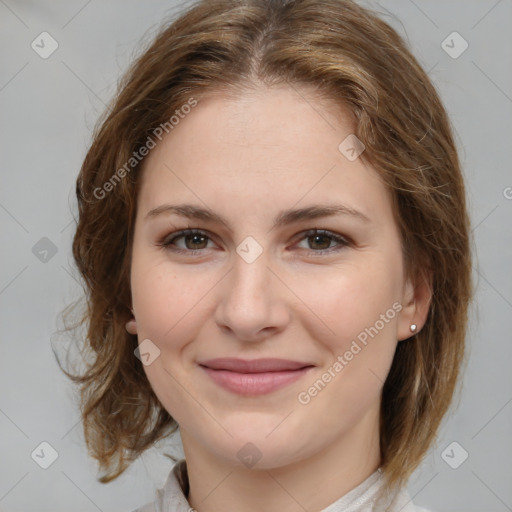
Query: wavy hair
{"points": [[349, 55]]}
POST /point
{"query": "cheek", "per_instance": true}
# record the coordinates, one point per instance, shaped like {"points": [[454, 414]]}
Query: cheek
{"points": [[170, 387], [168, 307], [164, 301], [357, 335], [346, 302]]}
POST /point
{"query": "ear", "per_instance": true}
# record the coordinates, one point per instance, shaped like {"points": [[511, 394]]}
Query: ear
{"points": [[131, 325], [417, 296]]}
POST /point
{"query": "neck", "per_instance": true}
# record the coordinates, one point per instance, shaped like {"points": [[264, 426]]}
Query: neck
{"points": [[309, 484]]}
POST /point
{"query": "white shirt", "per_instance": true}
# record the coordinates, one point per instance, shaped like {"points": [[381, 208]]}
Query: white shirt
{"points": [[363, 498]]}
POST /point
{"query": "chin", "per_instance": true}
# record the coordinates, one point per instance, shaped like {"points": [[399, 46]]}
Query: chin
{"points": [[253, 448]]}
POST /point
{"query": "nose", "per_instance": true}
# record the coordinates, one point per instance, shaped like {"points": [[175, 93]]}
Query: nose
{"points": [[252, 301]]}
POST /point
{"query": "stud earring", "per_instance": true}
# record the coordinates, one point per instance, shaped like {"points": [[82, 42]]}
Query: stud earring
{"points": [[413, 327], [131, 325]]}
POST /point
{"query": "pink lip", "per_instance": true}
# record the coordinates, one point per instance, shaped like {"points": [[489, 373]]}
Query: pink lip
{"points": [[254, 377]]}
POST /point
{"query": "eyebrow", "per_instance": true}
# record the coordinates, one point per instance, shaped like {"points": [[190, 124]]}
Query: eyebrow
{"points": [[284, 218]]}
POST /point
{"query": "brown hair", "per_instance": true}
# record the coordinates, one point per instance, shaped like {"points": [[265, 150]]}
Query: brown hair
{"points": [[350, 56]]}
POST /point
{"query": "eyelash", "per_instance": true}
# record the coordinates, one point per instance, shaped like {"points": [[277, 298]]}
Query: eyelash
{"points": [[167, 243]]}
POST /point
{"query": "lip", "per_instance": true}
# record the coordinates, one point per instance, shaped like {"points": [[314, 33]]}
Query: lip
{"points": [[254, 377]]}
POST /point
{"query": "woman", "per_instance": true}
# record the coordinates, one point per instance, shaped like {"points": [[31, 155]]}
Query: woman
{"points": [[276, 250]]}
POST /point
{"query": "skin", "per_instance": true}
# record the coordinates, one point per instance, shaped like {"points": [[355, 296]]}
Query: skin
{"points": [[248, 157]]}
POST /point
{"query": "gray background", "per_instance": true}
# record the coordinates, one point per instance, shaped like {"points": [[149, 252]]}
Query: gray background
{"points": [[48, 109]]}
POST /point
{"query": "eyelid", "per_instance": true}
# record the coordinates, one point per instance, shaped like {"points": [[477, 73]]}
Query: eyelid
{"points": [[343, 241], [167, 240]]}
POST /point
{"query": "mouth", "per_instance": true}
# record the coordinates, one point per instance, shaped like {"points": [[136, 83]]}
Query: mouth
{"points": [[254, 377]]}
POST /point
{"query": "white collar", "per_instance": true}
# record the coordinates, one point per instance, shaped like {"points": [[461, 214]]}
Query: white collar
{"points": [[368, 496]]}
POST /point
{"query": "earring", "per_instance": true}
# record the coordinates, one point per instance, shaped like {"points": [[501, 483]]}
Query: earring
{"points": [[131, 325], [413, 327]]}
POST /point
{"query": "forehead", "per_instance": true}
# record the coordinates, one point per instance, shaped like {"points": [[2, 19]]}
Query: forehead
{"points": [[266, 148]]}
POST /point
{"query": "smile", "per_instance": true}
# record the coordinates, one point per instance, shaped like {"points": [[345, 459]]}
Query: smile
{"points": [[255, 377]]}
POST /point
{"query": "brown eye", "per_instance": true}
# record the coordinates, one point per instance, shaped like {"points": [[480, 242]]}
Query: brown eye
{"points": [[320, 241], [194, 240]]}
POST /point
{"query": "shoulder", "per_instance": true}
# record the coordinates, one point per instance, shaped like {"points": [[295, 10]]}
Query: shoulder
{"points": [[172, 496], [415, 508], [411, 507], [150, 507], [404, 503]]}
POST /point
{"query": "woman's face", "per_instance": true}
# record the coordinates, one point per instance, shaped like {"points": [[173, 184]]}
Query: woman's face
{"points": [[260, 285]]}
